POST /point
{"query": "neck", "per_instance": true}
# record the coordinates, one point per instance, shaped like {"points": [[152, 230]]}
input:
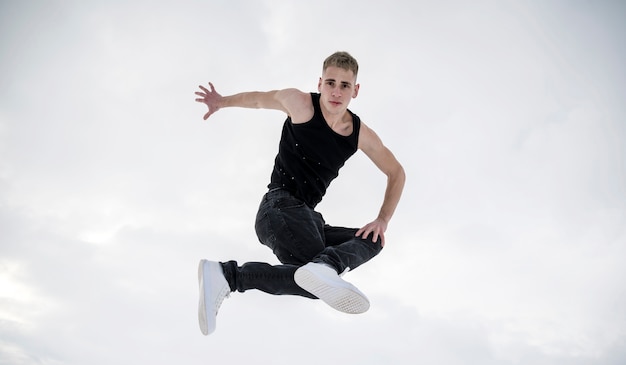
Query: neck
{"points": [[333, 119]]}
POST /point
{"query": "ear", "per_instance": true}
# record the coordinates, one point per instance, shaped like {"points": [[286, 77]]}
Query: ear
{"points": [[319, 85], [356, 90]]}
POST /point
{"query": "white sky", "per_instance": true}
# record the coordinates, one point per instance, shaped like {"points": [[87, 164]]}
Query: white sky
{"points": [[507, 248]]}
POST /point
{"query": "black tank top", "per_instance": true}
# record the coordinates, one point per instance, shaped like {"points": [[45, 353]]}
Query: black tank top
{"points": [[310, 155]]}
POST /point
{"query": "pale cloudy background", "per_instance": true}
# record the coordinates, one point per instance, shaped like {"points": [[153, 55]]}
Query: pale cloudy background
{"points": [[509, 117]]}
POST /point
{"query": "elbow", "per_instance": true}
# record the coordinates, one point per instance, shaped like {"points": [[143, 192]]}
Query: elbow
{"points": [[397, 174], [402, 175]]}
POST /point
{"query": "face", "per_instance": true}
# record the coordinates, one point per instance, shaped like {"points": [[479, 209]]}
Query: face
{"points": [[337, 87]]}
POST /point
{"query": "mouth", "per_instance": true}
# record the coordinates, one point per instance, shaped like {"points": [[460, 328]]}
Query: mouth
{"points": [[335, 103]]}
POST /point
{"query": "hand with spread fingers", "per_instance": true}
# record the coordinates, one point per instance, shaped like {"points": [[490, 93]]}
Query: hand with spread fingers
{"points": [[209, 97]]}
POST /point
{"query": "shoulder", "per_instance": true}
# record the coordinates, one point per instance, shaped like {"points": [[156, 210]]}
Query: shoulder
{"points": [[298, 104], [368, 139], [292, 96]]}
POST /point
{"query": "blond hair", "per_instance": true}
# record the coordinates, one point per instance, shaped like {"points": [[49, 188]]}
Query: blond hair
{"points": [[342, 60]]}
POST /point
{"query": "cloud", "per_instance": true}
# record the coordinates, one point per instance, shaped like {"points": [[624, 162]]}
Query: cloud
{"points": [[505, 248]]}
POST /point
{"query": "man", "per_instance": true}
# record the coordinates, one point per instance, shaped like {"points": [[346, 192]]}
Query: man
{"points": [[319, 135]]}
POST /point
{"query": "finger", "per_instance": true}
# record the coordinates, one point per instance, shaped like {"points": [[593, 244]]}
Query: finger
{"points": [[207, 115], [212, 88], [204, 89], [200, 94]]}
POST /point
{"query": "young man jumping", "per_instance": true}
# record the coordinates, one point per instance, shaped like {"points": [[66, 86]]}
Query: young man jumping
{"points": [[319, 135]]}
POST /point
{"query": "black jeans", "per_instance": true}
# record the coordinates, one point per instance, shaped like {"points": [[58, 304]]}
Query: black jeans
{"points": [[297, 234]]}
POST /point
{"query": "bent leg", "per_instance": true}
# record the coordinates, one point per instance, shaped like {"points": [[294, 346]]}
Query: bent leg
{"points": [[345, 250], [297, 234]]}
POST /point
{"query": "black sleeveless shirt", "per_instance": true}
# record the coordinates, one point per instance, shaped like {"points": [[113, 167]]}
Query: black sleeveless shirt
{"points": [[310, 155]]}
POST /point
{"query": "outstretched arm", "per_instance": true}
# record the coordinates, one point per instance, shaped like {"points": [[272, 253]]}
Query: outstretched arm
{"points": [[382, 157], [287, 100]]}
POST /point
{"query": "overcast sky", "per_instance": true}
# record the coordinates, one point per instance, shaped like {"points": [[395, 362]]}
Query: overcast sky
{"points": [[508, 246]]}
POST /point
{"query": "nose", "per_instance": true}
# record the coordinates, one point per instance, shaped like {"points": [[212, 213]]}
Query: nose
{"points": [[336, 92]]}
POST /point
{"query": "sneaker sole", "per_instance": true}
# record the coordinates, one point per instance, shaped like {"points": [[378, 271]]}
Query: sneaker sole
{"points": [[343, 299], [202, 317]]}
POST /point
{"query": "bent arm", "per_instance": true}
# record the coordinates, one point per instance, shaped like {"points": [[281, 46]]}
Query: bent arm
{"points": [[384, 159]]}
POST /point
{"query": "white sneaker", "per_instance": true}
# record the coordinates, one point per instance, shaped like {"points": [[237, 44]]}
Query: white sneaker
{"points": [[213, 290], [324, 282]]}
